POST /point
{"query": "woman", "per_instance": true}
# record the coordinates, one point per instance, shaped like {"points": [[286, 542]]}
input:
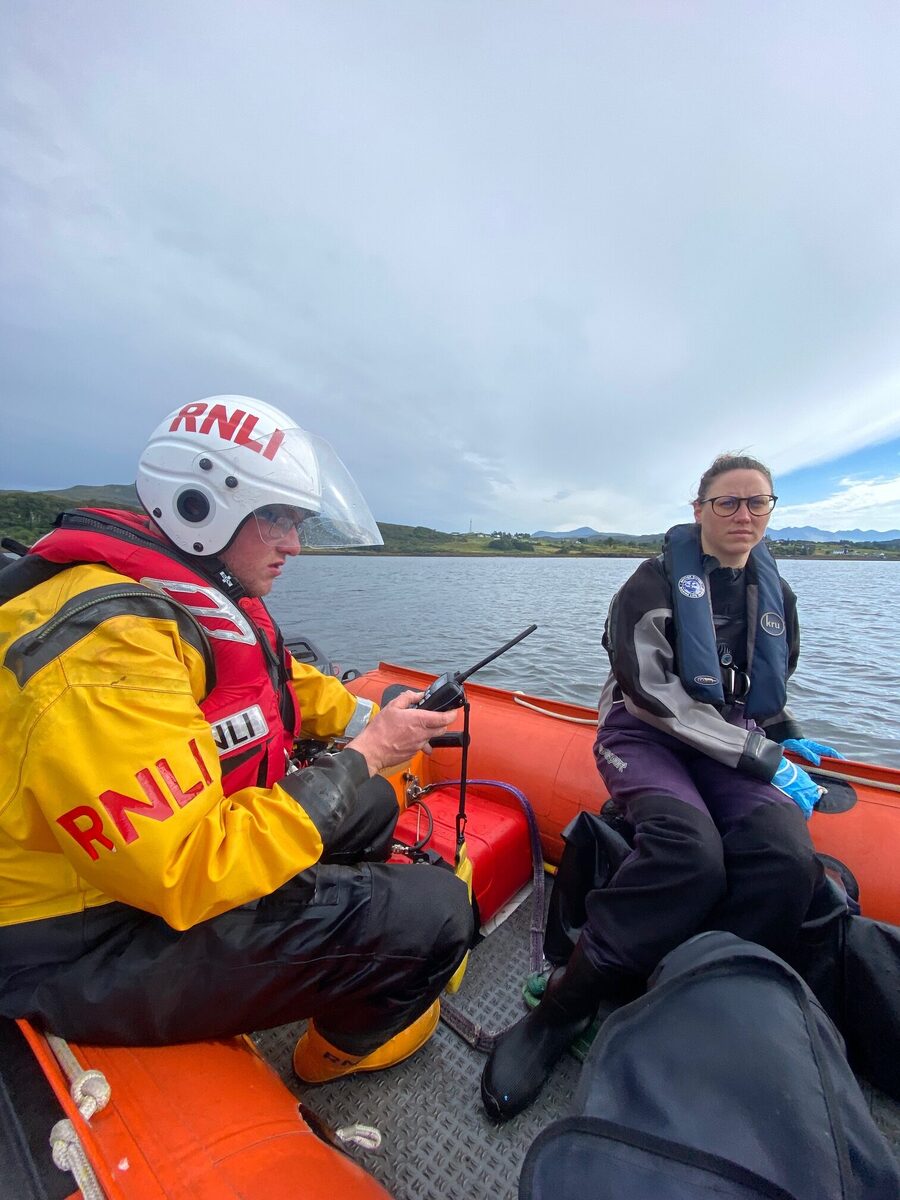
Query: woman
{"points": [[693, 721]]}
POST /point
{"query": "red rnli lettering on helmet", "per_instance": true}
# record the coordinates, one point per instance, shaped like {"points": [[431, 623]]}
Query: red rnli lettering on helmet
{"points": [[85, 824], [234, 427]]}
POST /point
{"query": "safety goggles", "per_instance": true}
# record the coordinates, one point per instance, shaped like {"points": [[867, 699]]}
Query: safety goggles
{"points": [[276, 521]]}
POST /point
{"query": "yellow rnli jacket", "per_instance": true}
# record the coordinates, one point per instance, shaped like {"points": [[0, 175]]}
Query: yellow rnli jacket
{"points": [[110, 780]]}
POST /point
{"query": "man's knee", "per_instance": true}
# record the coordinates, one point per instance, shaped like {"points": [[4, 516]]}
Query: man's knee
{"points": [[433, 905], [368, 832], [452, 913]]}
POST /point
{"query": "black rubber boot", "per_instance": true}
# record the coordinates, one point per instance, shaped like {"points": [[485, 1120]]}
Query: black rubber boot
{"points": [[522, 1058]]}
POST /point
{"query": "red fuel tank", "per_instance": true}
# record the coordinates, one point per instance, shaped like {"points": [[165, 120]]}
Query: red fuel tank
{"points": [[497, 841]]}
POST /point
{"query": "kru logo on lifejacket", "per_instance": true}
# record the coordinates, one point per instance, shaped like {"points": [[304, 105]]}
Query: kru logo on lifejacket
{"points": [[772, 624], [696, 650]]}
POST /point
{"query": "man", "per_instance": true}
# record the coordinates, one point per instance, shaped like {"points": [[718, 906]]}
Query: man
{"points": [[166, 872]]}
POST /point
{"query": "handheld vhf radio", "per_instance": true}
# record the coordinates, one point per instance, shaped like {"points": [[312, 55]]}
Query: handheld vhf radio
{"points": [[446, 692]]}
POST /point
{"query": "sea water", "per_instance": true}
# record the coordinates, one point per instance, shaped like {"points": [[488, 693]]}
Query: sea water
{"points": [[440, 614]]}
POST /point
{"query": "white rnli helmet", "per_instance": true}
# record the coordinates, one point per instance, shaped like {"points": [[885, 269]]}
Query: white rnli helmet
{"points": [[209, 465]]}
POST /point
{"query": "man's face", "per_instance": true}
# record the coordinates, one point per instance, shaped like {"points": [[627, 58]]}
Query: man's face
{"points": [[261, 546]]}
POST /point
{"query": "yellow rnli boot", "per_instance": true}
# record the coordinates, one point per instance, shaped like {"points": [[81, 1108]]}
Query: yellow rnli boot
{"points": [[317, 1061]]}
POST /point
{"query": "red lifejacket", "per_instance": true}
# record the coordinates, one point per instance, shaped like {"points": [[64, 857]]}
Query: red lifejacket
{"points": [[252, 707]]}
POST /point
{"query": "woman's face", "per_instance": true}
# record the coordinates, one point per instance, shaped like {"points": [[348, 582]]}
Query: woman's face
{"points": [[730, 539]]}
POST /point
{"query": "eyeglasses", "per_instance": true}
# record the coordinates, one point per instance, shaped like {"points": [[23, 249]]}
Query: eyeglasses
{"points": [[727, 506], [275, 523]]}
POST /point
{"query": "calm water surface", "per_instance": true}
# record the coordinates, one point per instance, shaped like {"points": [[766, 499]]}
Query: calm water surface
{"points": [[446, 613]]}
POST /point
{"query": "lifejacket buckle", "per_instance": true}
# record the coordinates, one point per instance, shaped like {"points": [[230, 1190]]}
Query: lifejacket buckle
{"points": [[735, 684]]}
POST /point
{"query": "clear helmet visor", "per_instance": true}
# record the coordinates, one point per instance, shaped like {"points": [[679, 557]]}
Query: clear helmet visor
{"points": [[211, 465], [336, 517]]}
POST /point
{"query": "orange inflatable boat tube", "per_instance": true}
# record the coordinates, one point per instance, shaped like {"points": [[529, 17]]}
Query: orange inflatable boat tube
{"points": [[544, 747]]}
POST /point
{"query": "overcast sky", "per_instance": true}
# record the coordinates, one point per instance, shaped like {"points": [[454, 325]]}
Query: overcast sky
{"points": [[526, 265]]}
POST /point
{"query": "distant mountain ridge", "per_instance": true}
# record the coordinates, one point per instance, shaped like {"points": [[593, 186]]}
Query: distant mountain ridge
{"points": [[808, 533], [586, 534], [113, 495], [792, 533], [584, 531]]}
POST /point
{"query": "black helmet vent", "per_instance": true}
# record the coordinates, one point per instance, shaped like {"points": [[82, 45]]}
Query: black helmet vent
{"points": [[193, 506]]}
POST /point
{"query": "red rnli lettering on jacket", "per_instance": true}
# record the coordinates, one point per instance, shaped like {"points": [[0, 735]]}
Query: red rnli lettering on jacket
{"points": [[234, 427], [85, 824]]}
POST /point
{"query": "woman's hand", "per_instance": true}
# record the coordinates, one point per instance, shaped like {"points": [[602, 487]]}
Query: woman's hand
{"points": [[794, 782], [398, 731], [810, 750]]}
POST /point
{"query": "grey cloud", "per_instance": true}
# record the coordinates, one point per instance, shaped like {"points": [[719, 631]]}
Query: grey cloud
{"points": [[506, 264]]}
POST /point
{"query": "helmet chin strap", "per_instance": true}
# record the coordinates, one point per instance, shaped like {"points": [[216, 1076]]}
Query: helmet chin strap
{"points": [[228, 583], [209, 565]]}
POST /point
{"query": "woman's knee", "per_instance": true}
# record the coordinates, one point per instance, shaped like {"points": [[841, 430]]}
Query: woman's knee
{"points": [[663, 891], [680, 841], [780, 832]]}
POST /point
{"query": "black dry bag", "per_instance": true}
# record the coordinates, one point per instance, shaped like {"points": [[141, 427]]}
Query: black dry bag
{"points": [[726, 1080], [594, 850]]}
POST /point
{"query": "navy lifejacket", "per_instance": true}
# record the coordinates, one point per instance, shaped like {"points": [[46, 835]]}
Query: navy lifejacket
{"points": [[696, 654]]}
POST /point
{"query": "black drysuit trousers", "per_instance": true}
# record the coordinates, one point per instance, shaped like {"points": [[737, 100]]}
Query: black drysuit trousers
{"points": [[362, 947]]}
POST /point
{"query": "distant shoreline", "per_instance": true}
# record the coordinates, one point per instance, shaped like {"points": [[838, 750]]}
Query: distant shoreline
{"points": [[26, 516], [836, 558]]}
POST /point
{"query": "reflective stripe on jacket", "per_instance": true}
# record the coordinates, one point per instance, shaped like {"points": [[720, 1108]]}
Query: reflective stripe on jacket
{"points": [[111, 781]]}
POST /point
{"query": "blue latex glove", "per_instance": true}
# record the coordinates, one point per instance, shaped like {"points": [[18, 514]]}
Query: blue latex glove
{"points": [[810, 750], [794, 782]]}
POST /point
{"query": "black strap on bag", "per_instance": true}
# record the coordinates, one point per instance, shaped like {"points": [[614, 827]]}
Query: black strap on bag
{"points": [[726, 1080], [618, 1163]]}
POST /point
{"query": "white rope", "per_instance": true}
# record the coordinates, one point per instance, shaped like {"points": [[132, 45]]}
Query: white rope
{"points": [[89, 1089], [69, 1155], [91, 1092], [872, 783], [364, 1137], [546, 712], [64, 1056]]}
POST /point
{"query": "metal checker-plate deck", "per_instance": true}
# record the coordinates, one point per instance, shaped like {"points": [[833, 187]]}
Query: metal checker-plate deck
{"points": [[437, 1142]]}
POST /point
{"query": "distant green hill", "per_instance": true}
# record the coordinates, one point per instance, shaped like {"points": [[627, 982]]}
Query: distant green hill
{"points": [[101, 495], [26, 516]]}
